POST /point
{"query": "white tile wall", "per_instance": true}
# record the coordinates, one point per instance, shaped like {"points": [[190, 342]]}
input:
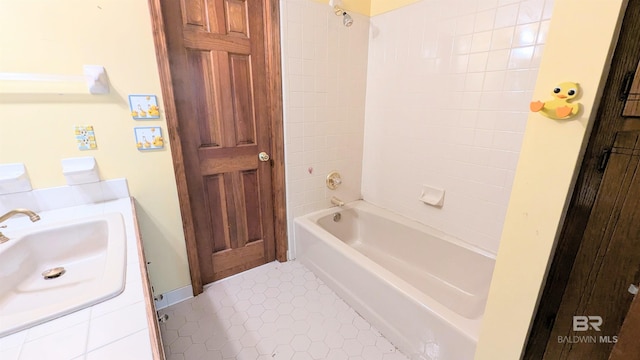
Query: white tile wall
{"points": [[447, 96], [325, 72]]}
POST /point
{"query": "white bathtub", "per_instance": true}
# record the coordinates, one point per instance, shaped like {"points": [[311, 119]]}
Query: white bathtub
{"points": [[424, 290]]}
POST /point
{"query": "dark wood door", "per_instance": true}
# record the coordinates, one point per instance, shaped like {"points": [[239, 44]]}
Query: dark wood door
{"points": [[606, 263], [218, 61]]}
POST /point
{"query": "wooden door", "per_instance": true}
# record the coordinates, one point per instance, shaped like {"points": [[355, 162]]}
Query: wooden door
{"points": [[606, 264], [218, 69]]}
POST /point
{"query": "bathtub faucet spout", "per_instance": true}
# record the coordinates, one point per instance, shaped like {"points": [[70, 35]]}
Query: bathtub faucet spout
{"points": [[337, 202]]}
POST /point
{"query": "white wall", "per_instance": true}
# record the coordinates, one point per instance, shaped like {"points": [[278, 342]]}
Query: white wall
{"points": [[324, 80], [448, 88]]}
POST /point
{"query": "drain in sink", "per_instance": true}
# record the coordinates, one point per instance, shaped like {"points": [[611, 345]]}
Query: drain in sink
{"points": [[53, 273]]}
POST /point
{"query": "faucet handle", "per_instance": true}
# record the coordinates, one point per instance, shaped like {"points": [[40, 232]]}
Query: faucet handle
{"points": [[333, 180]]}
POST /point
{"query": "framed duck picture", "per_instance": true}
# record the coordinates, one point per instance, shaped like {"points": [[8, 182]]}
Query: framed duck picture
{"points": [[148, 138], [144, 107]]}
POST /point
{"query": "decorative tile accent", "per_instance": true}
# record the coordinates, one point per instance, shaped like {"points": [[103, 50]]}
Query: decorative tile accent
{"points": [[144, 107], [275, 311], [149, 138], [85, 137]]}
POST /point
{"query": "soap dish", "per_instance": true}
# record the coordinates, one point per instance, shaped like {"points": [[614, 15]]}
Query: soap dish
{"points": [[13, 179], [80, 170], [432, 196]]}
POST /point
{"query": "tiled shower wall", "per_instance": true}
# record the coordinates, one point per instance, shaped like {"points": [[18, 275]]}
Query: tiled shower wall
{"points": [[448, 88], [324, 80]]}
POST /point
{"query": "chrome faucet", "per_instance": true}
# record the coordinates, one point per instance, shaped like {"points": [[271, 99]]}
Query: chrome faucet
{"points": [[32, 216]]}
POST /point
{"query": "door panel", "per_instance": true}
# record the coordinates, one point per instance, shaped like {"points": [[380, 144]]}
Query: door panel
{"points": [[243, 111], [200, 65], [606, 263], [632, 105], [217, 59], [217, 199], [237, 17]]}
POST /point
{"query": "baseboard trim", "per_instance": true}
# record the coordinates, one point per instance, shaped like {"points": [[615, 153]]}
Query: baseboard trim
{"points": [[174, 296]]}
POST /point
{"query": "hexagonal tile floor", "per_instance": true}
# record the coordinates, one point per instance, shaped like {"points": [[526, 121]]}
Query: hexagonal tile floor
{"points": [[276, 311]]}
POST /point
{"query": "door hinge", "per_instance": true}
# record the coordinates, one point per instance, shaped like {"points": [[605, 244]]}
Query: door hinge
{"points": [[604, 159], [626, 86]]}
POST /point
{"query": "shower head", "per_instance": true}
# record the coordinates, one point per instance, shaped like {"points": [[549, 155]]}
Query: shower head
{"points": [[347, 20]]}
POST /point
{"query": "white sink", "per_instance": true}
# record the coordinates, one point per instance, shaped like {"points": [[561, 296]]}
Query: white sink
{"points": [[91, 250]]}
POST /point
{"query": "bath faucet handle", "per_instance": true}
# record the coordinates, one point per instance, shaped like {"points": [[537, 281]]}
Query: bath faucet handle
{"points": [[333, 180]]}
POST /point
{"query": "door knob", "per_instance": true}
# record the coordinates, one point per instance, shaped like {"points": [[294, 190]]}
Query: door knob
{"points": [[263, 156]]}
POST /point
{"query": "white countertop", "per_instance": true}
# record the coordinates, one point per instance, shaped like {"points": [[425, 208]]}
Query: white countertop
{"points": [[114, 329]]}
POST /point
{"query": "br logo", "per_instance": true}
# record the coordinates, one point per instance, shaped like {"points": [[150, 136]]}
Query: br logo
{"points": [[584, 323]]}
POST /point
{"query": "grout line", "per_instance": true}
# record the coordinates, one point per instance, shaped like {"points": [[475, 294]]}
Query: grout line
{"points": [[114, 341]]}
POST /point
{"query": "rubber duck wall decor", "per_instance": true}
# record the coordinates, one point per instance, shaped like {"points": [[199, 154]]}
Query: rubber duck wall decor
{"points": [[559, 108]]}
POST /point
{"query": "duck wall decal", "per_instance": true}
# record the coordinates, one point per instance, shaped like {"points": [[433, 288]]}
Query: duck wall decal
{"points": [[559, 107]]}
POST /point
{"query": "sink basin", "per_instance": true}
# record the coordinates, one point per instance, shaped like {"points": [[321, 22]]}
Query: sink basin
{"points": [[92, 254]]}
